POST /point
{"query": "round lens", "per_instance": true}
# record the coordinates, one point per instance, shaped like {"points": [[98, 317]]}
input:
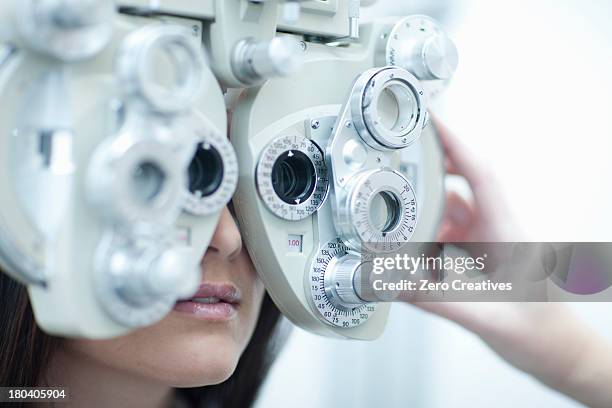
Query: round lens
{"points": [[294, 177], [205, 171], [385, 212], [147, 182], [166, 69], [397, 108]]}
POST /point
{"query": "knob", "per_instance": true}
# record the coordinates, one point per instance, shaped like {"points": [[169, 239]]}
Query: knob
{"points": [[146, 275], [342, 281], [175, 273], [439, 58], [255, 62], [419, 45]]}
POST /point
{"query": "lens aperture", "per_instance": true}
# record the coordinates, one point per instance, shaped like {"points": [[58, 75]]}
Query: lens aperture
{"points": [[147, 182], [294, 177], [205, 171]]}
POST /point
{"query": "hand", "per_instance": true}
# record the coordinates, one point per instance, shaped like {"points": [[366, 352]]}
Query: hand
{"points": [[543, 339], [486, 218]]}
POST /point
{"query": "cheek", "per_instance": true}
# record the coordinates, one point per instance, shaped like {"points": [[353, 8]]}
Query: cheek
{"points": [[179, 352], [171, 353]]}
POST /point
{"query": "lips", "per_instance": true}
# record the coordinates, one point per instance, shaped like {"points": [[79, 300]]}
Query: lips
{"points": [[213, 302]]}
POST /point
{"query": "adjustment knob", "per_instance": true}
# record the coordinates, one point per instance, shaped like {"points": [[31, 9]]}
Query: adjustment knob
{"points": [[437, 58], [140, 278], [342, 284], [143, 276], [419, 45], [255, 62], [175, 273]]}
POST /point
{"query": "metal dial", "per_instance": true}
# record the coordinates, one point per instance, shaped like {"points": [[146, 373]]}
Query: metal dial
{"points": [[138, 280], [380, 214], [389, 109], [213, 174], [329, 307], [418, 44], [292, 177]]}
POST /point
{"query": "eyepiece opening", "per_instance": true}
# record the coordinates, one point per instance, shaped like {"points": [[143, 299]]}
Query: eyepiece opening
{"points": [[385, 212], [206, 171], [294, 177]]}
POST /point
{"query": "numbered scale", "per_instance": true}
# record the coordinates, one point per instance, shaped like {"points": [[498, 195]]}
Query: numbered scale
{"points": [[321, 292]]}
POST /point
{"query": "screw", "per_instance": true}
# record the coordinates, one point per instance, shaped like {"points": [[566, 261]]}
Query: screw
{"points": [[196, 30], [349, 124], [315, 124], [303, 45]]}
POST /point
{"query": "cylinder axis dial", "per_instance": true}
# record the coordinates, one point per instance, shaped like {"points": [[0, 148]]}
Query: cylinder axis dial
{"points": [[380, 214], [292, 177], [322, 286]]}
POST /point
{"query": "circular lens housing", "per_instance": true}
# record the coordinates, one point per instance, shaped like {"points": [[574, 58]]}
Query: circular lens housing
{"points": [[147, 182], [384, 211], [380, 213], [69, 30], [292, 178], [205, 171], [135, 180], [389, 112], [162, 66], [212, 173]]}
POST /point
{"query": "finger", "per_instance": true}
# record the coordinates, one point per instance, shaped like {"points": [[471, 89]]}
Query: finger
{"points": [[459, 217], [459, 160]]}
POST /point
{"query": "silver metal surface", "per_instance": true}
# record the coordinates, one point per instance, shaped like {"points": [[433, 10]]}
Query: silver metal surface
{"points": [[388, 109], [167, 47], [123, 194], [329, 309], [254, 62], [419, 45], [339, 281], [355, 215], [69, 30], [139, 278], [361, 166]]}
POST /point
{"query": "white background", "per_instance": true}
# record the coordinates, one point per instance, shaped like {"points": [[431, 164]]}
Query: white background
{"points": [[533, 98]]}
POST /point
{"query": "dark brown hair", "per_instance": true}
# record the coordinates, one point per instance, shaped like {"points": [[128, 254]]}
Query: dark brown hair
{"points": [[25, 352]]}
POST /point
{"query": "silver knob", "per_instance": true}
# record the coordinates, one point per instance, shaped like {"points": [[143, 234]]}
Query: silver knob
{"points": [[175, 273], [255, 62], [420, 45], [343, 280], [439, 58], [141, 277]]}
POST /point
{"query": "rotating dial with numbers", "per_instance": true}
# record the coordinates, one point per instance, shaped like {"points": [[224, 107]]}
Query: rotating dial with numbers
{"points": [[322, 289], [292, 177], [380, 214]]}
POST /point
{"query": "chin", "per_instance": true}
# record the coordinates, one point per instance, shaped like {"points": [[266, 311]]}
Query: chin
{"points": [[200, 361]]}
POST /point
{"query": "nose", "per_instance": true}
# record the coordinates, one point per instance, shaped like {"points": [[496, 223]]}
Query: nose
{"points": [[226, 241]]}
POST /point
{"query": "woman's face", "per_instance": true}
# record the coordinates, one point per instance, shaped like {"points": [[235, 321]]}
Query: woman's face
{"points": [[200, 342]]}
